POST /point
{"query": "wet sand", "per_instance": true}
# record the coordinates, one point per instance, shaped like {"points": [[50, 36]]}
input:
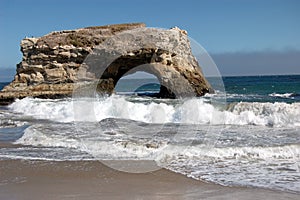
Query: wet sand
{"points": [[21, 179]]}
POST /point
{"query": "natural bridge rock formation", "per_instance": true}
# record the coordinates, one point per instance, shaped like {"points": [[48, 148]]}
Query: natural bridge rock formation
{"points": [[52, 65]]}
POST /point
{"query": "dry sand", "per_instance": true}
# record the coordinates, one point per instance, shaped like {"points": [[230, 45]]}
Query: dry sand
{"points": [[92, 180]]}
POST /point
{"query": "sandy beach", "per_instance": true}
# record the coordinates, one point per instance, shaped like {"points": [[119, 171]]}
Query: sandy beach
{"points": [[92, 180]]}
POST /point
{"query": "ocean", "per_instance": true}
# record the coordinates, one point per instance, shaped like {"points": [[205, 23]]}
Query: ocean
{"points": [[246, 134]]}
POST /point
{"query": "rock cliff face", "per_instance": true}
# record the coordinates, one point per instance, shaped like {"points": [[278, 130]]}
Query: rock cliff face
{"points": [[52, 64]]}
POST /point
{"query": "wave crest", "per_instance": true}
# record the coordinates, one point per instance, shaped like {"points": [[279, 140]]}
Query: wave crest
{"points": [[192, 111]]}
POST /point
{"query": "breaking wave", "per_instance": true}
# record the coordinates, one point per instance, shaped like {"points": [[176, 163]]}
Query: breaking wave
{"points": [[191, 111]]}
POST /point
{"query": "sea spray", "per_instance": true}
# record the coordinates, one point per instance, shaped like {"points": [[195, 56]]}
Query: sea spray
{"points": [[192, 111]]}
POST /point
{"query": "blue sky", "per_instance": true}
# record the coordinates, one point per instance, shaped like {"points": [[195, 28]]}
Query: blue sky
{"points": [[225, 28]]}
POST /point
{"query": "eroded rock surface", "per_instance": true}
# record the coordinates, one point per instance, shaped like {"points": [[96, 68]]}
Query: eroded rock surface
{"points": [[52, 65]]}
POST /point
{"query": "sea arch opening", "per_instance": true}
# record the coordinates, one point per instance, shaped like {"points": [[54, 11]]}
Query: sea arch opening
{"points": [[139, 83], [151, 61]]}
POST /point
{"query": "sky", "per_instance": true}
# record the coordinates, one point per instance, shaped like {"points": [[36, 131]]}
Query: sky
{"points": [[244, 37]]}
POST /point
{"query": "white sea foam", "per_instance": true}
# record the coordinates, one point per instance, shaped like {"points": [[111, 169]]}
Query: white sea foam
{"points": [[97, 146], [57, 110], [192, 111], [9, 123], [285, 95], [232, 165], [248, 163], [268, 167], [226, 153], [267, 114], [8, 120]]}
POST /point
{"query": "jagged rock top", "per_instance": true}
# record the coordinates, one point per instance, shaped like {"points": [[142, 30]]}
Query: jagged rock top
{"points": [[84, 37]]}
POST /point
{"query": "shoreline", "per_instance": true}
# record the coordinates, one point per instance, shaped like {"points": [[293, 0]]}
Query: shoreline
{"points": [[27, 179]]}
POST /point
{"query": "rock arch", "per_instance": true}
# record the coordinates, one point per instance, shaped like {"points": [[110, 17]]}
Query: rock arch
{"points": [[53, 64], [147, 60], [164, 53]]}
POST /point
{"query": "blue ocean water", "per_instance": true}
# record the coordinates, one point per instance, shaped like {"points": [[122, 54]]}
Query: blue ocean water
{"points": [[2, 84], [253, 140], [277, 88]]}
